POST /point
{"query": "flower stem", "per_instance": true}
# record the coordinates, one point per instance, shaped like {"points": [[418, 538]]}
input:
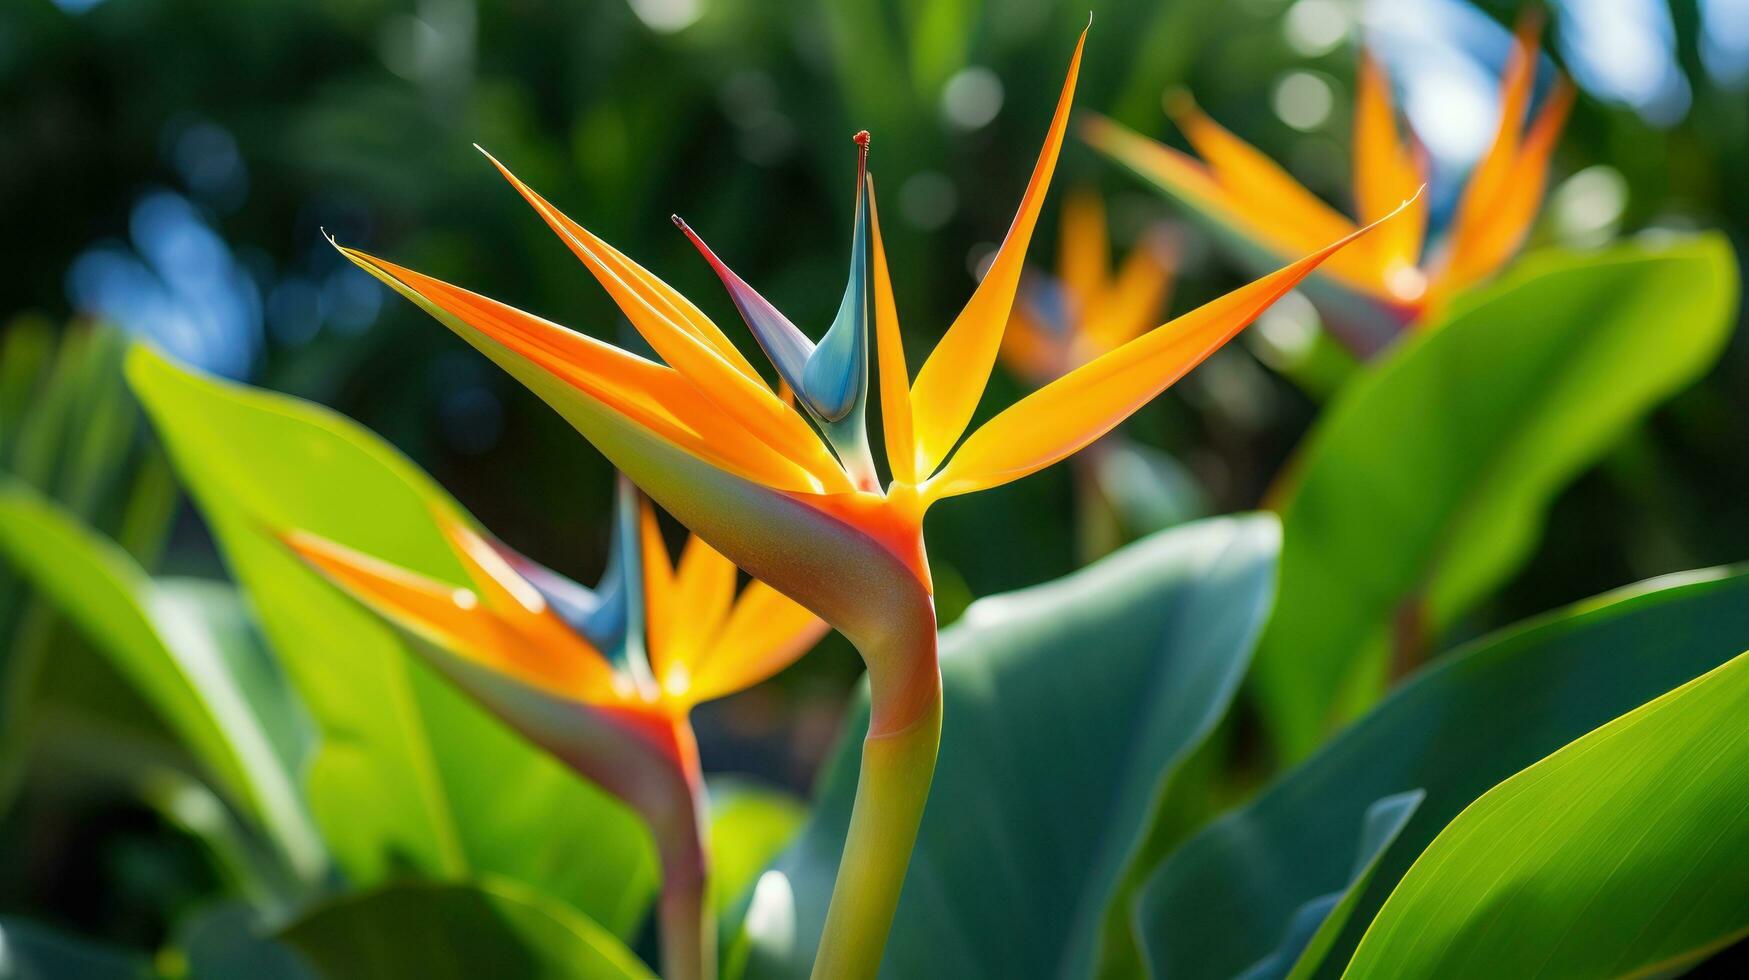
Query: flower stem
{"points": [[689, 943], [898, 764], [688, 930]]}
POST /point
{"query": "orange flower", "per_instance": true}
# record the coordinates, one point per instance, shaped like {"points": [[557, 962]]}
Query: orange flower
{"points": [[603, 679], [1086, 311], [1394, 278], [789, 490]]}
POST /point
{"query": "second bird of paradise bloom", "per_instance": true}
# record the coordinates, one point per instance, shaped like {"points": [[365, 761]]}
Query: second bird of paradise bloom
{"points": [[1397, 278], [603, 679], [1064, 321], [790, 493], [1085, 309]]}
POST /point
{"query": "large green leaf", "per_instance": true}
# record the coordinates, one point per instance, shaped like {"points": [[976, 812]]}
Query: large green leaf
{"points": [[1424, 484], [1222, 901], [750, 825], [430, 930], [1067, 707], [1622, 854], [410, 775], [183, 647], [1315, 926]]}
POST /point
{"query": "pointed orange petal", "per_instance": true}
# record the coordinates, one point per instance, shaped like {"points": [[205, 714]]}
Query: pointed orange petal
{"points": [[1084, 252], [952, 380], [1133, 303], [1180, 174], [665, 298], [552, 659], [1471, 223], [653, 396], [1385, 175], [691, 344], [660, 607], [1086, 403], [895, 376], [766, 632], [1233, 211], [704, 591], [1265, 193], [1483, 251]]}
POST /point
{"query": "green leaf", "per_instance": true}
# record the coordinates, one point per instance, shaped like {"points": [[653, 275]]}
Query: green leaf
{"points": [[29, 951], [1068, 705], [1619, 855], [227, 941], [189, 609], [1222, 901], [487, 929], [182, 646], [750, 825], [410, 774], [1424, 484], [1316, 925], [1149, 489]]}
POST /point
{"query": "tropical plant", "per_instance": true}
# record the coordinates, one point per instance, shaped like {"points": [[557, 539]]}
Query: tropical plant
{"points": [[324, 724], [1397, 279], [705, 436]]}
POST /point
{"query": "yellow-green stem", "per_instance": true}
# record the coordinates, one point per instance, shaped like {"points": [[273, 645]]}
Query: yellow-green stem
{"points": [[898, 764]]}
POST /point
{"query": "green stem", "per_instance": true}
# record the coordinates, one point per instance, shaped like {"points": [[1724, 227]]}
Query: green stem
{"points": [[898, 764]]}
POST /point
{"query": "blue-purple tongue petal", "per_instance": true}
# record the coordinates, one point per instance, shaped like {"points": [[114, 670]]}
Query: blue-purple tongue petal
{"points": [[596, 614], [786, 346]]}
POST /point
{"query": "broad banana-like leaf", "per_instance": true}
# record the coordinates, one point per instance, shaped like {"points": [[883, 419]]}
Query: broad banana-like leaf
{"points": [[1222, 901], [1425, 482], [1068, 705], [1316, 925], [410, 775], [1621, 854]]}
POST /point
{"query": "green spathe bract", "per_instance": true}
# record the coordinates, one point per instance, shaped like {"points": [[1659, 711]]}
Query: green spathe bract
{"points": [[1622, 854], [1067, 707], [1425, 482], [1223, 901]]}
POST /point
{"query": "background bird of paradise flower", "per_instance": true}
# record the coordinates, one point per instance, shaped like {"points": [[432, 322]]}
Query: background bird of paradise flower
{"points": [[151, 182]]}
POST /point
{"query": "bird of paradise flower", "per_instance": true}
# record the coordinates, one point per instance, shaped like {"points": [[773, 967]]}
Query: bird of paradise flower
{"points": [[1397, 278], [604, 679], [791, 493]]}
